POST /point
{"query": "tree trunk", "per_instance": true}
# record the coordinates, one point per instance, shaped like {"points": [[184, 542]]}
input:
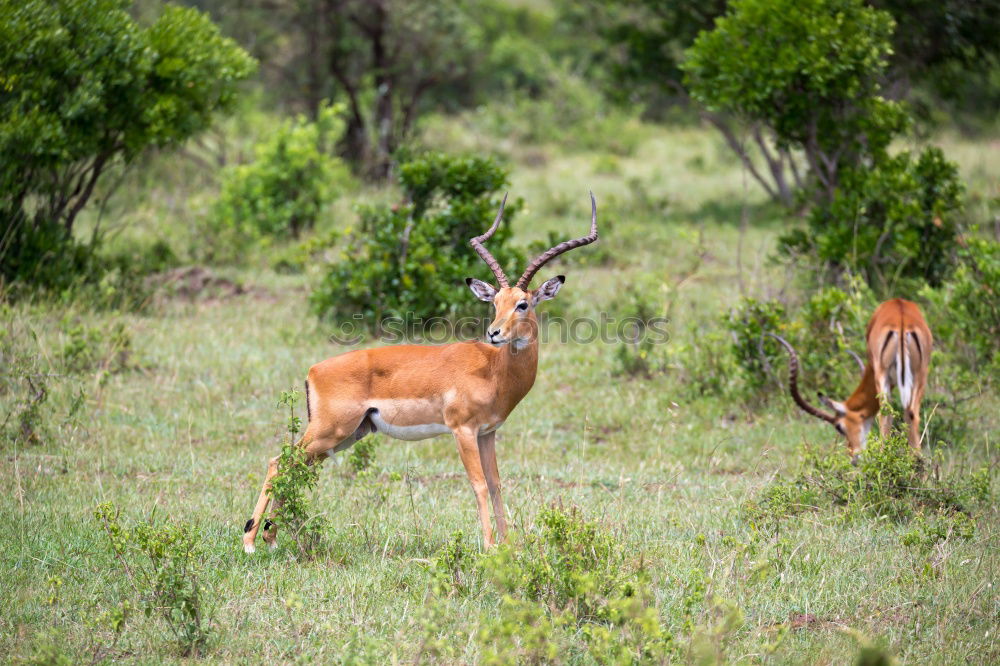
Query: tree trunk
{"points": [[383, 119]]}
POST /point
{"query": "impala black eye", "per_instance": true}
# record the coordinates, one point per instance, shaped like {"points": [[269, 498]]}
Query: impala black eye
{"points": [[522, 306], [839, 428]]}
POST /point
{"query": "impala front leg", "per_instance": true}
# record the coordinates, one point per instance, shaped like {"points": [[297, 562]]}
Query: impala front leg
{"points": [[468, 448], [488, 456]]}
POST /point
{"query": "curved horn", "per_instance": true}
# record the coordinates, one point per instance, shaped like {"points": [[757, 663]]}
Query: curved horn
{"points": [[793, 383], [477, 245], [861, 364], [565, 246]]}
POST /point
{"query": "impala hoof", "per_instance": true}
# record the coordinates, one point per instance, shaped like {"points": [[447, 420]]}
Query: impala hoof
{"points": [[855, 459], [249, 548]]}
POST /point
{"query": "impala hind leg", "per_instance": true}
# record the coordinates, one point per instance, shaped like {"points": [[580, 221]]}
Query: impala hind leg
{"points": [[912, 412], [316, 445], [883, 386]]}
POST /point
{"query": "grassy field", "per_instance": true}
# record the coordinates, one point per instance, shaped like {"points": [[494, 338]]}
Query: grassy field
{"points": [[185, 429]]}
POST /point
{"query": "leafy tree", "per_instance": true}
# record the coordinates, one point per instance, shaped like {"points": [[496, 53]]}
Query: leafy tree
{"points": [[83, 88], [809, 72], [414, 257], [945, 50]]}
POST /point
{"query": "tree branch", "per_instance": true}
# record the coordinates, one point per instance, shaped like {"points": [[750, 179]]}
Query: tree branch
{"points": [[738, 148]]}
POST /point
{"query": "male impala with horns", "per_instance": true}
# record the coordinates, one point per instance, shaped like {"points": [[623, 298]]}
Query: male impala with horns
{"points": [[413, 392]]}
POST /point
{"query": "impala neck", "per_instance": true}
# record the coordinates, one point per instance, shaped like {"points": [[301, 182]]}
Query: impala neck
{"points": [[864, 400], [516, 368]]}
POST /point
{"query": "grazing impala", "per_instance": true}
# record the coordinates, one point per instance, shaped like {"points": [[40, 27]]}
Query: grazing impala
{"points": [[413, 392], [899, 353]]}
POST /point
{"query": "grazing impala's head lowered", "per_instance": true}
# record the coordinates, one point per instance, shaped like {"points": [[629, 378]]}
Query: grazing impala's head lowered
{"points": [[515, 322], [852, 424]]}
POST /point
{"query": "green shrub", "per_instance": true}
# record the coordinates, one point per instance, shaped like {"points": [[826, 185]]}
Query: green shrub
{"points": [[825, 327], [453, 566], [569, 577], [414, 257], [87, 89], [975, 299], [756, 353], [162, 565], [291, 179], [894, 223], [889, 482], [362, 456]]}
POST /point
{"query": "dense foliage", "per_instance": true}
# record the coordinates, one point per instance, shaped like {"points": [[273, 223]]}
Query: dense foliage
{"points": [[413, 257], [292, 177], [86, 90], [893, 223]]}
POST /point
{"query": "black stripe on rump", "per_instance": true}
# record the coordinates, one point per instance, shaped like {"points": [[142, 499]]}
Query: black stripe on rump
{"points": [[309, 415], [885, 344]]}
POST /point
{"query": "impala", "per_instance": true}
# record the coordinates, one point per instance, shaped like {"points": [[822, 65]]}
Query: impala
{"points": [[413, 392], [899, 353]]}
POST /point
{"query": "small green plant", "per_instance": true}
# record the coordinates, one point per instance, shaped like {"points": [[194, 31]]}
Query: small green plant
{"points": [[450, 566], [293, 177], [290, 489], [362, 455], [641, 353], [756, 354], [162, 565], [928, 531]]}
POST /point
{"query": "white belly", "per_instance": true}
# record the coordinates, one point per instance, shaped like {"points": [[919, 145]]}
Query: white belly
{"points": [[409, 432]]}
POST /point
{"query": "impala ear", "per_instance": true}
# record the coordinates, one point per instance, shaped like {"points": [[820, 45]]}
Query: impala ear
{"points": [[548, 290], [838, 407], [483, 291]]}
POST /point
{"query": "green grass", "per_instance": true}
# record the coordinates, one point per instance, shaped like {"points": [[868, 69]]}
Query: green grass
{"points": [[186, 430]]}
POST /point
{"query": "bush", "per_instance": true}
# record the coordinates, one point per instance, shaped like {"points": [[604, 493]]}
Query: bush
{"points": [[569, 577], [163, 567], [895, 222], [414, 257], [293, 176], [975, 300], [641, 353], [888, 483], [87, 89]]}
